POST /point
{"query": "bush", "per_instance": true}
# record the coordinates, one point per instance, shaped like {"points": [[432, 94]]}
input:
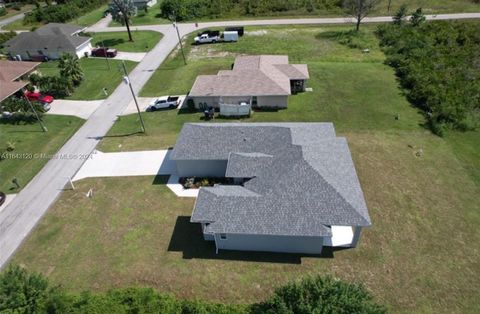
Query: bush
{"points": [[319, 295], [6, 36], [62, 12], [437, 64], [56, 86], [3, 11]]}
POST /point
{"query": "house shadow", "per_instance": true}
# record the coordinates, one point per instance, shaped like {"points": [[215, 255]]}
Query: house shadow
{"points": [[187, 238]]}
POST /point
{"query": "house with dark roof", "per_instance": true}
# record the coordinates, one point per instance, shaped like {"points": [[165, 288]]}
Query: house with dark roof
{"points": [[14, 76], [293, 188], [262, 81], [49, 42]]}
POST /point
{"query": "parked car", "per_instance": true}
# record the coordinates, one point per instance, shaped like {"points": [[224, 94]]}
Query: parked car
{"points": [[164, 103], [206, 39], [44, 100], [104, 52]]}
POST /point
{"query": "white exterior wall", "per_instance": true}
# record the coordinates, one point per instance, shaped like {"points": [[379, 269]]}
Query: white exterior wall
{"points": [[267, 243], [272, 101], [201, 168], [86, 47]]}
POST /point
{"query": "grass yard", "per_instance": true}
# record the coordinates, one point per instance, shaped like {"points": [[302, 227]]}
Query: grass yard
{"points": [[152, 16], [29, 139], [97, 76], [91, 17], [143, 40], [420, 255]]}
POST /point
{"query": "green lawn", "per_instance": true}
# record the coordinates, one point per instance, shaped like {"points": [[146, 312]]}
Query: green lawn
{"points": [[87, 19], [153, 16], [143, 41], [419, 255], [28, 140], [97, 76], [91, 17], [147, 18]]}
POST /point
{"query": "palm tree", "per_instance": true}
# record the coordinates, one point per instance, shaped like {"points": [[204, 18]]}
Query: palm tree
{"points": [[69, 66]]}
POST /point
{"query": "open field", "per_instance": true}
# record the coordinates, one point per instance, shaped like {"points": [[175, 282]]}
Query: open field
{"points": [[153, 16], [97, 76], [87, 19], [147, 18], [420, 255], [28, 139], [143, 40]]}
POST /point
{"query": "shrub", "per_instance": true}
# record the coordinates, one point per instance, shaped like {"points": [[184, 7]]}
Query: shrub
{"points": [[319, 295], [6, 36], [3, 11]]}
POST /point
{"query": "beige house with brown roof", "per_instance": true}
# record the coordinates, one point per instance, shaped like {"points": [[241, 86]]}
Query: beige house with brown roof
{"points": [[11, 75], [262, 81]]}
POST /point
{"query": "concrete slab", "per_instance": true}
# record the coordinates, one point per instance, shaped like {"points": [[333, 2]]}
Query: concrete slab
{"points": [[132, 56], [141, 163], [78, 108], [342, 236], [9, 198], [178, 189]]}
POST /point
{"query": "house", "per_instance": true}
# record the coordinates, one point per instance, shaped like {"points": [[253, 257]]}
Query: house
{"points": [[13, 76], [49, 42], [142, 4], [293, 188], [262, 81]]}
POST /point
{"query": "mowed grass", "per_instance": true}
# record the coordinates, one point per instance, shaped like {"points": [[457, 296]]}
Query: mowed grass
{"points": [[152, 16], [97, 76], [420, 255], [91, 17], [143, 41], [28, 140]]}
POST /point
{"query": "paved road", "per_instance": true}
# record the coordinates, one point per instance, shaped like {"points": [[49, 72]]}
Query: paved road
{"points": [[11, 19], [23, 213]]}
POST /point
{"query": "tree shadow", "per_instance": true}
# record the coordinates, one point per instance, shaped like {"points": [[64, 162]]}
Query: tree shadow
{"points": [[187, 238]]}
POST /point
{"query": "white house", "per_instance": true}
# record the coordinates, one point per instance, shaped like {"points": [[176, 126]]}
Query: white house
{"points": [[49, 42], [293, 186]]}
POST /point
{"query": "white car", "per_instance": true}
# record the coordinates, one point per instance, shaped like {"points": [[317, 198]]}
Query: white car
{"points": [[164, 103]]}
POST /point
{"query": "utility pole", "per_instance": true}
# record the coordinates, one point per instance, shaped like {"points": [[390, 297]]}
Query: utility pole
{"points": [[44, 128], [126, 79], [106, 57], [179, 39]]}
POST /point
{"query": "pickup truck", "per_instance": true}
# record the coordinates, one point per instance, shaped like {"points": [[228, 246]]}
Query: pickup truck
{"points": [[206, 39], [104, 52], [164, 103]]}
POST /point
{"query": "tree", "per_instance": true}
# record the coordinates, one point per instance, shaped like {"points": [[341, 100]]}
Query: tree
{"points": [[399, 17], [417, 17], [22, 292], [359, 9], [122, 11], [70, 68], [319, 295]]}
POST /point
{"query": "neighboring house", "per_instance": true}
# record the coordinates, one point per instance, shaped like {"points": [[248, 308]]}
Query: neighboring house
{"points": [[14, 76], [262, 81], [295, 186], [49, 42], [141, 4]]}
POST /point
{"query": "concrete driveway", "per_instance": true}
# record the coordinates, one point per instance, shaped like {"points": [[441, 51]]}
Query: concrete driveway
{"points": [[9, 198], [132, 56], [78, 108]]}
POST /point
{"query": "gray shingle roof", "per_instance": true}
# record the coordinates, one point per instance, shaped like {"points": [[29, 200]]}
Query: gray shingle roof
{"points": [[303, 178], [53, 36]]}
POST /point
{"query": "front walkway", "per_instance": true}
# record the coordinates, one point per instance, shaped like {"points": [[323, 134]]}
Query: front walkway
{"points": [[140, 163], [78, 108]]}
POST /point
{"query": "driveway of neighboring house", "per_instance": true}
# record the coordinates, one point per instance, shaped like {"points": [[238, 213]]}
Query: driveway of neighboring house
{"points": [[79, 108], [132, 56]]}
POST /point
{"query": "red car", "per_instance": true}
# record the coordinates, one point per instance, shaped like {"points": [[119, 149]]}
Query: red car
{"points": [[104, 52], [44, 99]]}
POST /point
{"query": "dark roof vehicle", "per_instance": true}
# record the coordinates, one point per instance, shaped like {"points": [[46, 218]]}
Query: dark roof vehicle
{"points": [[104, 52]]}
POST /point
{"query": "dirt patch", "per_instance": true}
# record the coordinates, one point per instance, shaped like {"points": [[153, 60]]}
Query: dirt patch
{"points": [[261, 32], [203, 52]]}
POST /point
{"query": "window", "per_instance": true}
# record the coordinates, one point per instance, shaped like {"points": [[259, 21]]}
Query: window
{"points": [[223, 236]]}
